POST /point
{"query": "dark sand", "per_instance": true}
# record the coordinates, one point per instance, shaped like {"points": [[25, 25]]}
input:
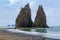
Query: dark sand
{"points": [[5, 35]]}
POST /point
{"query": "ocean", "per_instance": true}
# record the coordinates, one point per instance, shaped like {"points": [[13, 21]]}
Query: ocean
{"points": [[53, 29], [52, 32]]}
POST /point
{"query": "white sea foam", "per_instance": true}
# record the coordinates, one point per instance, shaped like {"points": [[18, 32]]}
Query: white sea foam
{"points": [[26, 32], [48, 35]]}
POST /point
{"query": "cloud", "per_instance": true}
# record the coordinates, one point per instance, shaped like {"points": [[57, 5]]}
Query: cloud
{"points": [[10, 8], [12, 2], [52, 12], [53, 15]]}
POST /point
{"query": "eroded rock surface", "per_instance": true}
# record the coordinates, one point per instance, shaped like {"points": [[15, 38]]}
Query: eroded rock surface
{"points": [[24, 17], [40, 20]]}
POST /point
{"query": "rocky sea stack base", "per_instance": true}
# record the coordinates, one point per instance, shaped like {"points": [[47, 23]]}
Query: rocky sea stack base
{"points": [[24, 18]]}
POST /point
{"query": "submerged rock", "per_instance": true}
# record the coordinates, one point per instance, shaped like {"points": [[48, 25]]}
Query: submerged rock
{"points": [[24, 17], [40, 20]]}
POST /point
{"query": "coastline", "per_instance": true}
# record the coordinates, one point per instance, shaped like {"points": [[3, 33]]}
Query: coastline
{"points": [[22, 36]]}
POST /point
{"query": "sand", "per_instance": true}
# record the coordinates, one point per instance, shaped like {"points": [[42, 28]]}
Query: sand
{"points": [[5, 35]]}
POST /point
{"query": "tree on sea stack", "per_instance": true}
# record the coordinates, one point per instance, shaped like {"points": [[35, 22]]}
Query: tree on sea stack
{"points": [[40, 19], [24, 17]]}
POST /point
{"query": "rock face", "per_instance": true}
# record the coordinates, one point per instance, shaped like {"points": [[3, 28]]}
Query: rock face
{"points": [[40, 20], [24, 17]]}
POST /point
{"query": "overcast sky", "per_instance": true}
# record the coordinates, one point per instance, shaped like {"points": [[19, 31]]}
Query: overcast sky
{"points": [[9, 9]]}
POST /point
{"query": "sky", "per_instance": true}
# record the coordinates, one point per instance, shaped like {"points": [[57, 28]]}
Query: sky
{"points": [[9, 9]]}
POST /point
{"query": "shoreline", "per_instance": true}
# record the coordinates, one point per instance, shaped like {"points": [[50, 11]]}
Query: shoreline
{"points": [[24, 36]]}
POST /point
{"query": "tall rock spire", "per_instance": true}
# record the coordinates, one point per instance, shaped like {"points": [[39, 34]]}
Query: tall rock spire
{"points": [[24, 17], [40, 20]]}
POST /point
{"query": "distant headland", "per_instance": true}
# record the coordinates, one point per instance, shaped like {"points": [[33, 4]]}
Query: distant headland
{"points": [[24, 18]]}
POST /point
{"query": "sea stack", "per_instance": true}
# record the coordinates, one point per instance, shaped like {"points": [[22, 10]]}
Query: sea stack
{"points": [[24, 17], [40, 19]]}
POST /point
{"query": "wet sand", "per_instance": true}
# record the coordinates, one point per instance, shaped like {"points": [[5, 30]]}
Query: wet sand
{"points": [[5, 35]]}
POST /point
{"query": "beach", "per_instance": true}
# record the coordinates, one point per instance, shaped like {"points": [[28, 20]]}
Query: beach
{"points": [[4, 35], [8, 35]]}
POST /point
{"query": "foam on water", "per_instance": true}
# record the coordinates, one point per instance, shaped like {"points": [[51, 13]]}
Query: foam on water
{"points": [[20, 31], [49, 34]]}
